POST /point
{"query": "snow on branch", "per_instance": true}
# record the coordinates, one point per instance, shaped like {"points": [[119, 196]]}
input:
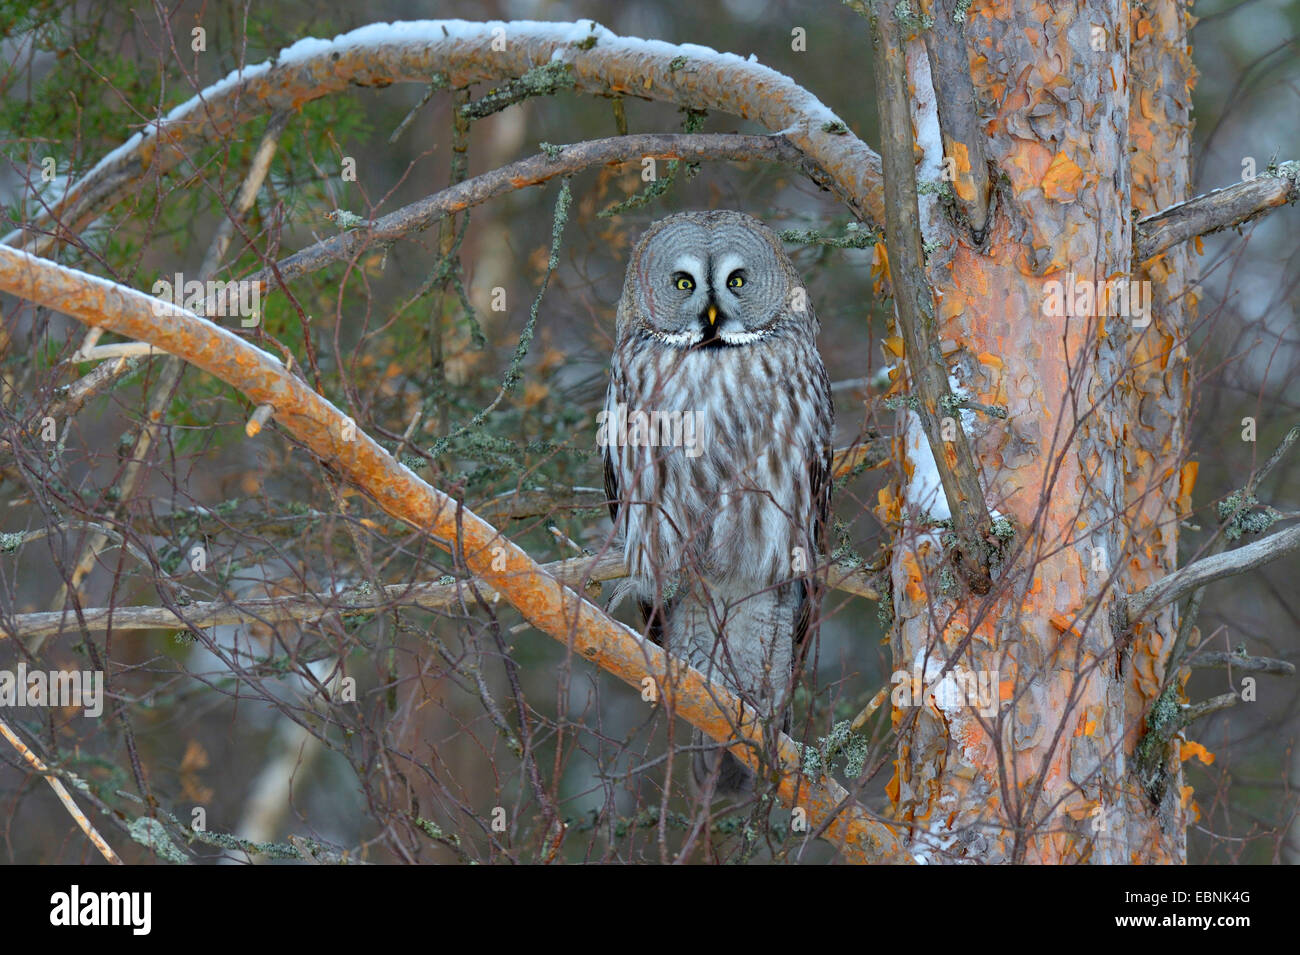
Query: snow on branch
{"points": [[458, 53]]}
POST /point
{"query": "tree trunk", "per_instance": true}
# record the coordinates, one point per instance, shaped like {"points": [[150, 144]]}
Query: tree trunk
{"points": [[1085, 115]]}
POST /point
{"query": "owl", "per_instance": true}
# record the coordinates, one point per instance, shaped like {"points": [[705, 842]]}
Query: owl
{"points": [[717, 451]]}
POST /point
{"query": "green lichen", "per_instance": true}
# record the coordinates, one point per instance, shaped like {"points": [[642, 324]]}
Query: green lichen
{"points": [[856, 751], [1162, 722], [1238, 508], [895, 402], [840, 741], [344, 219], [947, 582], [854, 237], [1003, 529], [433, 831], [152, 834], [545, 80], [913, 21], [811, 764], [952, 402], [940, 187], [835, 128]]}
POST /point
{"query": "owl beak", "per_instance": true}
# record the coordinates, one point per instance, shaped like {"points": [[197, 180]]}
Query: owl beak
{"points": [[712, 312]]}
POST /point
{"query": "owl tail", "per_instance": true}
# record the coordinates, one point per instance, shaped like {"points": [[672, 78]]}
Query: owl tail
{"points": [[745, 641]]}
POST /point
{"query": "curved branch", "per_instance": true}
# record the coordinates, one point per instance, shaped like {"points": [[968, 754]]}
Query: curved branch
{"points": [[600, 63], [545, 602], [533, 171]]}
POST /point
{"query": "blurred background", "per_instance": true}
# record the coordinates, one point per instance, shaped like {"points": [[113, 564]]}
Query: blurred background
{"points": [[231, 723]]}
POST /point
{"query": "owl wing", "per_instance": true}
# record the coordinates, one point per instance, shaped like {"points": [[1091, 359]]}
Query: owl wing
{"points": [[821, 480], [650, 616]]}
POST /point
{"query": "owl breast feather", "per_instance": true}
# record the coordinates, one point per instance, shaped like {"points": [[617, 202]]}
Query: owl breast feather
{"points": [[731, 503]]}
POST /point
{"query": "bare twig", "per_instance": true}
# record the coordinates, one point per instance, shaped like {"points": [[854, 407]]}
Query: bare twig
{"points": [[115, 350], [426, 595], [1196, 711], [61, 791], [1223, 659], [1245, 501]]}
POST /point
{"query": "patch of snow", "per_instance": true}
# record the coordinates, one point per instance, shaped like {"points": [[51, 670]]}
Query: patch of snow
{"points": [[924, 487]]}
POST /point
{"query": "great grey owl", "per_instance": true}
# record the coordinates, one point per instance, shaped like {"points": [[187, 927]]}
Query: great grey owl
{"points": [[717, 444]]}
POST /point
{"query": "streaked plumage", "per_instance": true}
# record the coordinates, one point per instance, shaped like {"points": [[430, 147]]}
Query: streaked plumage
{"points": [[722, 539]]}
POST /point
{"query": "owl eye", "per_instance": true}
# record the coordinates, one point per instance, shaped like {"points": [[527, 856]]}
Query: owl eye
{"points": [[736, 279], [683, 282]]}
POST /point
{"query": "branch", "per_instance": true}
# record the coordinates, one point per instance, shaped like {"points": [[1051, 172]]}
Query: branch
{"points": [[1229, 525], [1168, 589], [1217, 210], [544, 602], [381, 54], [61, 791], [427, 595], [1239, 661], [532, 171], [914, 304], [963, 140]]}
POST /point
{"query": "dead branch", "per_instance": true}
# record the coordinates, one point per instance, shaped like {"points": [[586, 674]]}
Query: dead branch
{"points": [[426, 595], [61, 791], [1217, 210], [914, 301], [1168, 589], [532, 171], [1223, 659]]}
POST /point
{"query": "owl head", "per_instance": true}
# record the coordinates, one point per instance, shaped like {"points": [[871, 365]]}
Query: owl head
{"points": [[712, 280]]}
